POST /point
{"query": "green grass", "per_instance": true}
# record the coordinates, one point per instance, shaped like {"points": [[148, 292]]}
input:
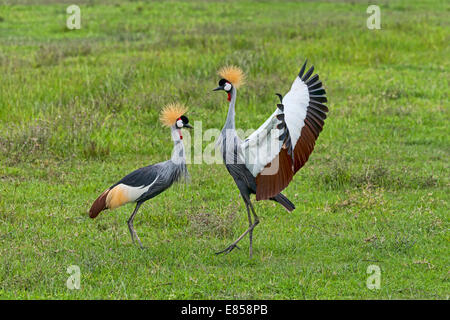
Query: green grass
{"points": [[79, 110]]}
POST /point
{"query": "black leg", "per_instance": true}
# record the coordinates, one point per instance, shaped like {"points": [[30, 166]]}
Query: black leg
{"points": [[250, 233], [131, 227], [254, 213], [249, 230]]}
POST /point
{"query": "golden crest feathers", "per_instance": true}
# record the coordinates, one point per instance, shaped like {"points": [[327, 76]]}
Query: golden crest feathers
{"points": [[233, 74], [171, 113]]}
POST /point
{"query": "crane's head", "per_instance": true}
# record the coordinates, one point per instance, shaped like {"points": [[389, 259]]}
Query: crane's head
{"points": [[173, 116], [232, 77], [183, 122]]}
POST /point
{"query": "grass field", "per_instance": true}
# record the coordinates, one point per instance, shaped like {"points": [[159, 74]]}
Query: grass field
{"points": [[79, 110]]}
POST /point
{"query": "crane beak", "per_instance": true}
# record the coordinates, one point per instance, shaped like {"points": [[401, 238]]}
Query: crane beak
{"points": [[218, 88], [187, 125]]}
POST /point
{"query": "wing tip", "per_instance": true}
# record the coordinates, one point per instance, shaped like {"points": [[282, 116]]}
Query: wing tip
{"points": [[302, 70]]}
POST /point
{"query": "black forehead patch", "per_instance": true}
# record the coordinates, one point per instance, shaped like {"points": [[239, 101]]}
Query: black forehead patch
{"points": [[223, 81], [184, 119]]}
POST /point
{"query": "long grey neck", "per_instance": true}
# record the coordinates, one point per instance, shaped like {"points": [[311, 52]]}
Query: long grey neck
{"points": [[178, 154], [229, 135], [229, 123]]}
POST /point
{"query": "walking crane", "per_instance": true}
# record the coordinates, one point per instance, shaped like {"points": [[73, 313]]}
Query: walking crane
{"points": [[147, 182], [265, 163]]}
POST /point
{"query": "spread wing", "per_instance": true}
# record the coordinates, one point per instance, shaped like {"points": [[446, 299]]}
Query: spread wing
{"points": [[282, 145]]}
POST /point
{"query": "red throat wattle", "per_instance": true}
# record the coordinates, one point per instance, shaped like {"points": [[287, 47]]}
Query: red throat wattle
{"points": [[181, 136], [229, 96]]}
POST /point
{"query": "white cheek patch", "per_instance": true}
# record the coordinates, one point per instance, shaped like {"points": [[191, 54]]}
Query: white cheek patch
{"points": [[180, 123], [227, 87]]}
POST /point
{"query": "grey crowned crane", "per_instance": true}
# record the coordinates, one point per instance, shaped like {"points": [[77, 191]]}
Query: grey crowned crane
{"points": [[147, 182], [265, 163]]}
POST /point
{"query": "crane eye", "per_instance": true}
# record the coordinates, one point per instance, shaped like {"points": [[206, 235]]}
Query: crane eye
{"points": [[180, 123], [227, 87]]}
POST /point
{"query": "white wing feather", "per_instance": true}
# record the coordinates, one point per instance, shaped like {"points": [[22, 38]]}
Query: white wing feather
{"points": [[295, 104], [263, 145]]}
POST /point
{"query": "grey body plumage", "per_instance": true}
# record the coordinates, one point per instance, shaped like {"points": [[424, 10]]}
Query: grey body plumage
{"points": [[163, 174], [230, 144]]}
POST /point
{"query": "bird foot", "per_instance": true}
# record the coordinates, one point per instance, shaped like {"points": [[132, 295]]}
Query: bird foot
{"points": [[229, 249]]}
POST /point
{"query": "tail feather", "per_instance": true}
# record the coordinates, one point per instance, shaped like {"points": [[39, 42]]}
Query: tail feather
{"points": [[99, 205], [281, 199]]}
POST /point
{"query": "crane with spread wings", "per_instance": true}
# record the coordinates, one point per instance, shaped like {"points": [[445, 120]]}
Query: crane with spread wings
{"points": [[265, 163]]}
